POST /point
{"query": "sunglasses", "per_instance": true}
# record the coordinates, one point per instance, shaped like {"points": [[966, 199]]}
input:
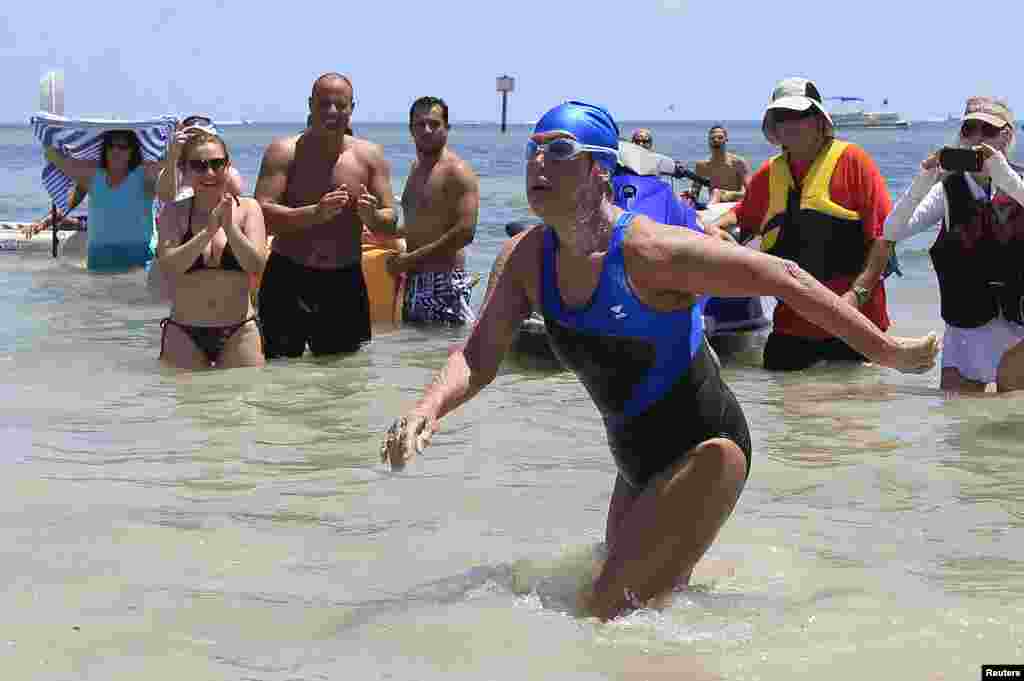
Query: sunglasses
{"points": [[127, 146], [200, 165], [973, 128], [786, 115], [564, 149], [196, 120], [643, 141]]}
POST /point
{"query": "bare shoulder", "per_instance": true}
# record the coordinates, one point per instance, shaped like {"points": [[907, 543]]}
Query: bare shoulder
{"points": [[521, 254], [737, 160], [653, 242], [460, 172], [701, 165], [281, 151], [367, 151], [171, 217]]}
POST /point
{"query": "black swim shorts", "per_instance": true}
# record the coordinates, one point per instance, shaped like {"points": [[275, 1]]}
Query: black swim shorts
{"points": [[328, 309]]}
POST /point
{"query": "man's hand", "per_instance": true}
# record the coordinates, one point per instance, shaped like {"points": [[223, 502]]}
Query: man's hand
{"points": [[367, 207], [30, 230], [407, 437], [332, 203], [931, 162], [398, 264]]}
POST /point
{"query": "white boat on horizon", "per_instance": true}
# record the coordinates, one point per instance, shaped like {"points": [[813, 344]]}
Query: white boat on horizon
{"points": [[850, 113]]}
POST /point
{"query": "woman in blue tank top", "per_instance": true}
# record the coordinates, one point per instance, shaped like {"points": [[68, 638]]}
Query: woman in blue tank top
{"points": [[121, 188], [622, 298]]}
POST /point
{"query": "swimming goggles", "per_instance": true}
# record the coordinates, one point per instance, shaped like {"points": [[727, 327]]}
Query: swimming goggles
{"points": [[564, 149]]}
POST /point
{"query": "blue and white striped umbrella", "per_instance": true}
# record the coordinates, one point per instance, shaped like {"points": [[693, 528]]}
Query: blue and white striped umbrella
{"points": [[82, 138]]}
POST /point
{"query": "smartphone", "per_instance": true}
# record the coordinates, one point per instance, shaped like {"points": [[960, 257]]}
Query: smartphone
{"points": [[956, 159]]}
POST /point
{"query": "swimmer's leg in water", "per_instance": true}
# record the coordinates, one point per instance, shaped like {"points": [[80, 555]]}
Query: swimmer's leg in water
{"points": [[657, 536]]}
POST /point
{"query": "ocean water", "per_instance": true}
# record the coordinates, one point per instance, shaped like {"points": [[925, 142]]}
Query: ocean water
{"points": [[239, 524]]}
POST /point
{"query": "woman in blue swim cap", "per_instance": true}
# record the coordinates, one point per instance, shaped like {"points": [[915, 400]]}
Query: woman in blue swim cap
{"points": [[622, 299]]}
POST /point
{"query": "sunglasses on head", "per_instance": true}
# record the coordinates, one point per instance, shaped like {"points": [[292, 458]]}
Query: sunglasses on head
{"points": [[200, 165], [196, 120], [563, 149], [973, 128]]}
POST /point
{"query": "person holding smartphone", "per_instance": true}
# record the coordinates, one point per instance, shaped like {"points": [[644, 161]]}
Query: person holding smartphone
{"points": [[977, 199]]}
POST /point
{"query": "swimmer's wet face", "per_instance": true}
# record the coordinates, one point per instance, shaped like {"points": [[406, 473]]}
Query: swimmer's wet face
{"points": [[568, 194], [331, 105], [552, 184], [429, 129]]}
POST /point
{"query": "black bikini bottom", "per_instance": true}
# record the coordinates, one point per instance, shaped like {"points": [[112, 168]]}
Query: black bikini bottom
{"points": [[209, 339]]}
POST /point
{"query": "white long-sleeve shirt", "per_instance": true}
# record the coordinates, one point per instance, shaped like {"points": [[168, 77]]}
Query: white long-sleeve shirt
{"points": [[923, 205]]}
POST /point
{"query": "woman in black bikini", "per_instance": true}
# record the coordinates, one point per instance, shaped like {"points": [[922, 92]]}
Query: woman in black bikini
{"points": [[209, 246]]}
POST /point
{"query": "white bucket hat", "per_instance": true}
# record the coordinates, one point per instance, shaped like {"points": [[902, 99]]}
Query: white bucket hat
{"points": [[793, 94]]}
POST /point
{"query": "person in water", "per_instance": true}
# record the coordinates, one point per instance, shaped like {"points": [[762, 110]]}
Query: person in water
{"points": [[727, 171], [121, 188], [622, 298], [210, 242], [643, 137], [978, 253], [441, 202], [318, 189], [820, 203], [190, 125]]}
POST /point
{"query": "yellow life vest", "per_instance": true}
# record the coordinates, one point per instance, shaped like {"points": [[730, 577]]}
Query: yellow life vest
{"points": [[804, 224]]}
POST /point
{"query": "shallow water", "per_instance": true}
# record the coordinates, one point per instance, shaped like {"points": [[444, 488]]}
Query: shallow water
{"points": [[239, 525]]}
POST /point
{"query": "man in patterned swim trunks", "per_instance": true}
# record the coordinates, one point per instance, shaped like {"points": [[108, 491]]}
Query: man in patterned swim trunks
{"points": [[440, 203]]}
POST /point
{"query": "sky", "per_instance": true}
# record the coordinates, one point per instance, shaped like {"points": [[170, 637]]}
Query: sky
{"points": [[642, 59]]}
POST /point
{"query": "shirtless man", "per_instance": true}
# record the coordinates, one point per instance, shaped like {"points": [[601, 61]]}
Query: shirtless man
{"points": [[644, 138], [441, 202], [318, 189], [728, 172]]}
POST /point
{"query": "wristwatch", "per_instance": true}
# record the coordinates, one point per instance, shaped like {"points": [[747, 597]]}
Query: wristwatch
{"points": [[861, 294]]}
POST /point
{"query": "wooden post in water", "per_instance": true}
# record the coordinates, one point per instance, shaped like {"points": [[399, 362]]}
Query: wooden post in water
{"points": [[506, 84], [53, 226]]}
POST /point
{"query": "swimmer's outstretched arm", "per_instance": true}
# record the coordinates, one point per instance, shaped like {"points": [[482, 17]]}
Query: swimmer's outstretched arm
{"points": [[473, 366], [661, 258]]}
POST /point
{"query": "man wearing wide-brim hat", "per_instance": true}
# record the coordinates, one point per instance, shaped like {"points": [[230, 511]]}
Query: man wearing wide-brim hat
{"points": [[821, 203]]}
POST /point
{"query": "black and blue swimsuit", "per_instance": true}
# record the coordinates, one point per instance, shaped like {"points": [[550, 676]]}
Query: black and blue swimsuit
{"points": [[651, 374]]}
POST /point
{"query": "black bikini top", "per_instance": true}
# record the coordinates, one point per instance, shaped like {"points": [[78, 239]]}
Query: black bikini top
{"points": [[228, 261]]}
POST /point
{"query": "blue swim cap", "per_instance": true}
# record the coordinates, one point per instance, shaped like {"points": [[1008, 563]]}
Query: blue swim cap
{"points": [[589, 123]]}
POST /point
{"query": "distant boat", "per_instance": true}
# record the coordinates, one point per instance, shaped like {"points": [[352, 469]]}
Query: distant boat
{"points": [[849, 113]]}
